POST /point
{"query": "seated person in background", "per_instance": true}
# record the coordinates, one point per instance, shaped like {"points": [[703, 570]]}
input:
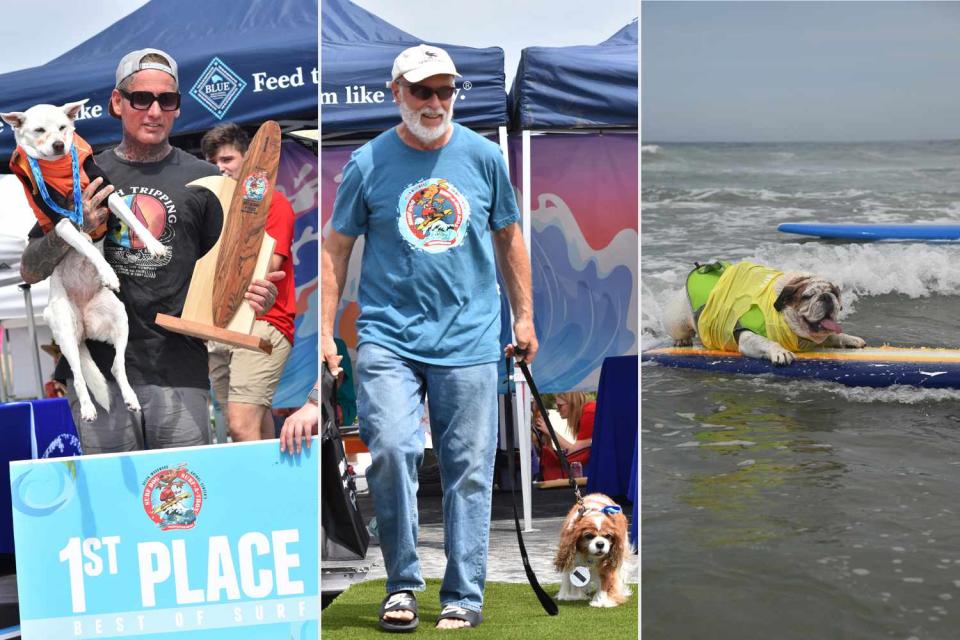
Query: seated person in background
{"points": [[244, 380], [578, 410], [56, 386]]}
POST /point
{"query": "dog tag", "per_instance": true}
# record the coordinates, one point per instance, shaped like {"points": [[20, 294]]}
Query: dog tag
{"points": [[579, 577]]}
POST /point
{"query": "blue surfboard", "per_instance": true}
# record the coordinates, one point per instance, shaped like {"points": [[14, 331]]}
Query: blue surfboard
{"points": [[918, 232], [871, 367]]}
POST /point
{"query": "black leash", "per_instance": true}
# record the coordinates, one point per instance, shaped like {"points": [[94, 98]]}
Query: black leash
{"points": [[561, 455], [545, 601], [328, 399]]}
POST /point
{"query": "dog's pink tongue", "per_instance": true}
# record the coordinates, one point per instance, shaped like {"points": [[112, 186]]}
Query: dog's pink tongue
{"points": [[831, 325]]}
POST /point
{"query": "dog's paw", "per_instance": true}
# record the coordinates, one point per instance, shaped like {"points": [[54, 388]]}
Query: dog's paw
{"points": [[780, 356], [129, 397], [157, 249], [569, 592], [88, 413], [602, 601], [852, 342], [132, 404], [571, 596], [683, 342], [110, 280]]}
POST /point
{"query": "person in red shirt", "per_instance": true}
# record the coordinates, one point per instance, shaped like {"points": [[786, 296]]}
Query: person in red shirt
{"points": [[578, 410], [244, 380]]}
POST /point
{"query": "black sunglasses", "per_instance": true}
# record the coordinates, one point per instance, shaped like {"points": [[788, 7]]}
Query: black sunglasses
{"points": [[143, 100], [423, 92]]}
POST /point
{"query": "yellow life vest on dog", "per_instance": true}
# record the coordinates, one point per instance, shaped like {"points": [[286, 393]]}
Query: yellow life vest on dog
{"points": [[740, 289]]}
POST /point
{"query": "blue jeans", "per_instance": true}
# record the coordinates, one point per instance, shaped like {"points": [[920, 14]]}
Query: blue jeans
{"points": [[463, 425]]}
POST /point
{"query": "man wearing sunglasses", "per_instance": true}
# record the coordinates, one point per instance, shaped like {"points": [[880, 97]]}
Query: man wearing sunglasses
{"points": [[434, 203], [168, 371]]}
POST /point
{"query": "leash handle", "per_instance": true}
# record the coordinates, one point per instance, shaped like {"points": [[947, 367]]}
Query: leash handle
{"points": [[328, 398], [561, 455]]}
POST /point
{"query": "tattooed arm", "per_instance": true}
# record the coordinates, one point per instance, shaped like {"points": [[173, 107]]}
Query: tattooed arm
{"points": [[43, 254]]}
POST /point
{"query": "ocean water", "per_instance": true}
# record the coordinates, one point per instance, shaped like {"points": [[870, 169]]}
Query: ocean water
{"points": [[777, 509]]}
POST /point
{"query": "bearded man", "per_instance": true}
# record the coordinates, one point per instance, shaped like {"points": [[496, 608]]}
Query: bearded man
{"points": [[435, 205]]}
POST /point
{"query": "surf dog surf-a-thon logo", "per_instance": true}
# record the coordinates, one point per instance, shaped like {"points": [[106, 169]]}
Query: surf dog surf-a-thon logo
{"points": [[255, 186], [173, 497], [434, 215], [217, 88]]}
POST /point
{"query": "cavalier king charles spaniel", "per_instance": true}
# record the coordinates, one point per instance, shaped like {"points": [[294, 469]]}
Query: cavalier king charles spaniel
{"points": [[593, 545]]}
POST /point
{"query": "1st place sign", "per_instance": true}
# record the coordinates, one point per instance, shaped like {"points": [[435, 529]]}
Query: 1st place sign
{"points": [[218, 542]]}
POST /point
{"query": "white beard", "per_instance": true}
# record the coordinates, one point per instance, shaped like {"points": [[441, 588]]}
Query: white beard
{"points": [[426, 135]]}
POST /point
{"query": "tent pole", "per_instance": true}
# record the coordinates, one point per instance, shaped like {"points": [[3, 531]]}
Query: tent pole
{"points": [[525, 187], [504, 147], [32, 326], [521, 402], [4, 362], [523, 394]]}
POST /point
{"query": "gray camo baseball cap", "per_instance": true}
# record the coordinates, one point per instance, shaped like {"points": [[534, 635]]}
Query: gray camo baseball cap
{"points": [[133, 62]]}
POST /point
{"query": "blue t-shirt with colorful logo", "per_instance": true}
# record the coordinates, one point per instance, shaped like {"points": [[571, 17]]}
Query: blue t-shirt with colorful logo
{"points": [[428, 287]]}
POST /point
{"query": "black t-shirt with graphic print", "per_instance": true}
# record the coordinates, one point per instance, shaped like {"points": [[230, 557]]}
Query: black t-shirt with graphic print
{"points": [[188, 221]]}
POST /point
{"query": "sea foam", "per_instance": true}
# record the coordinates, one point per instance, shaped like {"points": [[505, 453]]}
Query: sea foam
{"points": [[861, 271]]}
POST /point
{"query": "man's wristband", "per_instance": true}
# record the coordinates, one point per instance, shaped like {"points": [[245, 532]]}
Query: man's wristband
{"points": [[314, 396]]}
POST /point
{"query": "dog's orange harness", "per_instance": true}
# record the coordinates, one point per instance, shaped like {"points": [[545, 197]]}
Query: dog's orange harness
{"points": [[58, 176]]}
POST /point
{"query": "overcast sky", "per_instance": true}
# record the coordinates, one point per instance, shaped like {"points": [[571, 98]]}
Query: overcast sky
{"points": [[35, 32], [800, 71], [508, 24]]}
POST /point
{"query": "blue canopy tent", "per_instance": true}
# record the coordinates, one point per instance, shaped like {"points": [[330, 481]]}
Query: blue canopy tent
{"points": [[239, 61], [584, 232], [583, 240], [580, 86], [358, 50]]}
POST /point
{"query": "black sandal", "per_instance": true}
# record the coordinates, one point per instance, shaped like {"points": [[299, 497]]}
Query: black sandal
{"points": [[399, 601], [454, 612]]}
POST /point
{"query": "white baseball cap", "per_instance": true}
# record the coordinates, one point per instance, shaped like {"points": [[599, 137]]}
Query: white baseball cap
{"points": [[423, 61]]}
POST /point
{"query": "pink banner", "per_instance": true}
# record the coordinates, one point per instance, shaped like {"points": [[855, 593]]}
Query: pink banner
{"points": [[584, 252]]}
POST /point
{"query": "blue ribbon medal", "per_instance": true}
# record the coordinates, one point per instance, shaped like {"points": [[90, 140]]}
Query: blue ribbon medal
{"points": [[76, 216]]}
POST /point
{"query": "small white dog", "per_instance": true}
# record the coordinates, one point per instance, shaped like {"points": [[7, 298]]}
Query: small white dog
{"points": [[594, 544], [82, 304]]}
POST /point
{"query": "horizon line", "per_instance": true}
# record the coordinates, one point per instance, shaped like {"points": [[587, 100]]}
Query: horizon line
{"points": [[889, 140]]}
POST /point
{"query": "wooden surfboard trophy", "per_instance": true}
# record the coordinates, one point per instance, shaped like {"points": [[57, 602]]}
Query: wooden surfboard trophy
{"points": [[214, 308]]}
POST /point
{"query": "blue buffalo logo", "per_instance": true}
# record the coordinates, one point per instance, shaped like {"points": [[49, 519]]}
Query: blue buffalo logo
{"points": [[217, 88]]}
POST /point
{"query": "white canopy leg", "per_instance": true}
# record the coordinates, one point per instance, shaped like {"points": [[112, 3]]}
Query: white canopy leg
{"points": [[32, 327]]}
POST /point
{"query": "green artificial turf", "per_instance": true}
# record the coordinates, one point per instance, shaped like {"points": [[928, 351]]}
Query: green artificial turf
{"points": [[510, 611]]}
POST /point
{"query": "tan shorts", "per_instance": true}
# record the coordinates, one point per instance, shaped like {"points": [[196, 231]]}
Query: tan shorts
{"points": [[244, 375]]}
